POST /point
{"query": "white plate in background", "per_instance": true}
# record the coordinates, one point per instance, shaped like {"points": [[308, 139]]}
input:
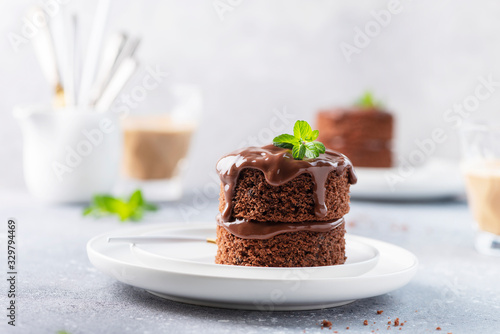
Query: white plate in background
{"points": [[437, 179], [395, 268]]}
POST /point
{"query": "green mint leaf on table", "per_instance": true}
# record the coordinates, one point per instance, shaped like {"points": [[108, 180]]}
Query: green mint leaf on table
{"points": [[132, 209], [302, 143], [368, 101]]}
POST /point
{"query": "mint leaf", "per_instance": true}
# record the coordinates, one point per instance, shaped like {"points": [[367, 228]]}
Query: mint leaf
{"points": [[285, 141], [87, 211], [302, 130], [285, 138], [106, 205], [311, 151], [314, 135], [368, 101], [135, 201], [303, 142], [319, 145], [299, 151], [284, 145]]}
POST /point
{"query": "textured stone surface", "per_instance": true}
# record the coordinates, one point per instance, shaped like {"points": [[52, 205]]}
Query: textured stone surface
{"points": [[455, 288]]}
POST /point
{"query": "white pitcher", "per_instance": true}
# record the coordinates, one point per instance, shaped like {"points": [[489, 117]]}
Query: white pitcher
{"points": [[69, 155]]}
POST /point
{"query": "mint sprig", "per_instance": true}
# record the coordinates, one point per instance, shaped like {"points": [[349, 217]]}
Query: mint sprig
{"points": [[302, 143], [367, 100], [132, 209]]}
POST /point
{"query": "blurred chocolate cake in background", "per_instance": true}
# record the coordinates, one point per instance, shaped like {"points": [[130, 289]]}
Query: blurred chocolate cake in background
{"points": [[363, 132]]}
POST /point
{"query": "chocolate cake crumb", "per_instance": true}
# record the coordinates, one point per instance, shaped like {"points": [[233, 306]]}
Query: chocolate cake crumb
{"points": [[396, 322], [388, 327], [347, 328], [438, 328], [325, 324], [365, 322], [388, 322], [380, 311], [402, 324]]}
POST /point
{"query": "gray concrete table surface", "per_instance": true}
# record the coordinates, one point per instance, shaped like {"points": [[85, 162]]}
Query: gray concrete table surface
{"points": [[455, 288]]}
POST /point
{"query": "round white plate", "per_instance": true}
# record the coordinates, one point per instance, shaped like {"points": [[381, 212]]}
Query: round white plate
{"points": [[195, 257], [437, 179], [395, 268]]}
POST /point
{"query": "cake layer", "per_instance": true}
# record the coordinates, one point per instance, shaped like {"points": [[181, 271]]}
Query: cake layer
{"points": [[255, 199], [268, 184], [369, 158], [292, 249], [363, 144], [354, 124]]}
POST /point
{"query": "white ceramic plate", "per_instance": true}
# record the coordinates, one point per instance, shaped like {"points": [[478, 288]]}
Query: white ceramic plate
{"points": [[437, 179], [195, 257], [395, 268]]}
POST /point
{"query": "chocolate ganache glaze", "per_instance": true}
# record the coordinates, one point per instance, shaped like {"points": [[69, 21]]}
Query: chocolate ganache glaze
{"points": [[247, 229], [278, 166]]}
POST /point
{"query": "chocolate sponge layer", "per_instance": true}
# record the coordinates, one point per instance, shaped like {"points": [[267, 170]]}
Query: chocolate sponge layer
{"points": [[293, 249], [255, 199]]}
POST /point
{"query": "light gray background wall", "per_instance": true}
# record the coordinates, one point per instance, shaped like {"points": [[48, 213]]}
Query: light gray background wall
{"points": [[268, 55]]}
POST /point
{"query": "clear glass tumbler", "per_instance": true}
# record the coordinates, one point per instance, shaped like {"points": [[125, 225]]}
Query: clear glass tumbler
{"points": [[156, 141], [481, 169]]}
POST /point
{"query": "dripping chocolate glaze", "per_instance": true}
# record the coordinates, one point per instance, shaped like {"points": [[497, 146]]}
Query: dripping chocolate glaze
{"points": [[247, 229], [279, 167]]}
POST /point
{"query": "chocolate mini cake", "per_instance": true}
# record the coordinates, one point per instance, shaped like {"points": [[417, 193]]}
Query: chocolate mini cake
{"points": [[363, 133], [276, 211]]}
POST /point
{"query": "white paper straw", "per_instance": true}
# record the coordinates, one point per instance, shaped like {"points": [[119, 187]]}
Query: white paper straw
{"points": [[110, 54], [76, 57], [116, 84], [44, 51], [93, 50]]}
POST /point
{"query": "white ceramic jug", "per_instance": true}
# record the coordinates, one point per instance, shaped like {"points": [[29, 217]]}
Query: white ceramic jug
{"points": [[69, 155]]}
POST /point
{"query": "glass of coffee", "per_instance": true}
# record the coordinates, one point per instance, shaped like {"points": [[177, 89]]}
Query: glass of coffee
{"points": [[156, 141], [481, 169]]}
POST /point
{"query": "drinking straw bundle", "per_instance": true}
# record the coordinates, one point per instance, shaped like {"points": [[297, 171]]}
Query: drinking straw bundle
{"points": [[106, 68]]}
